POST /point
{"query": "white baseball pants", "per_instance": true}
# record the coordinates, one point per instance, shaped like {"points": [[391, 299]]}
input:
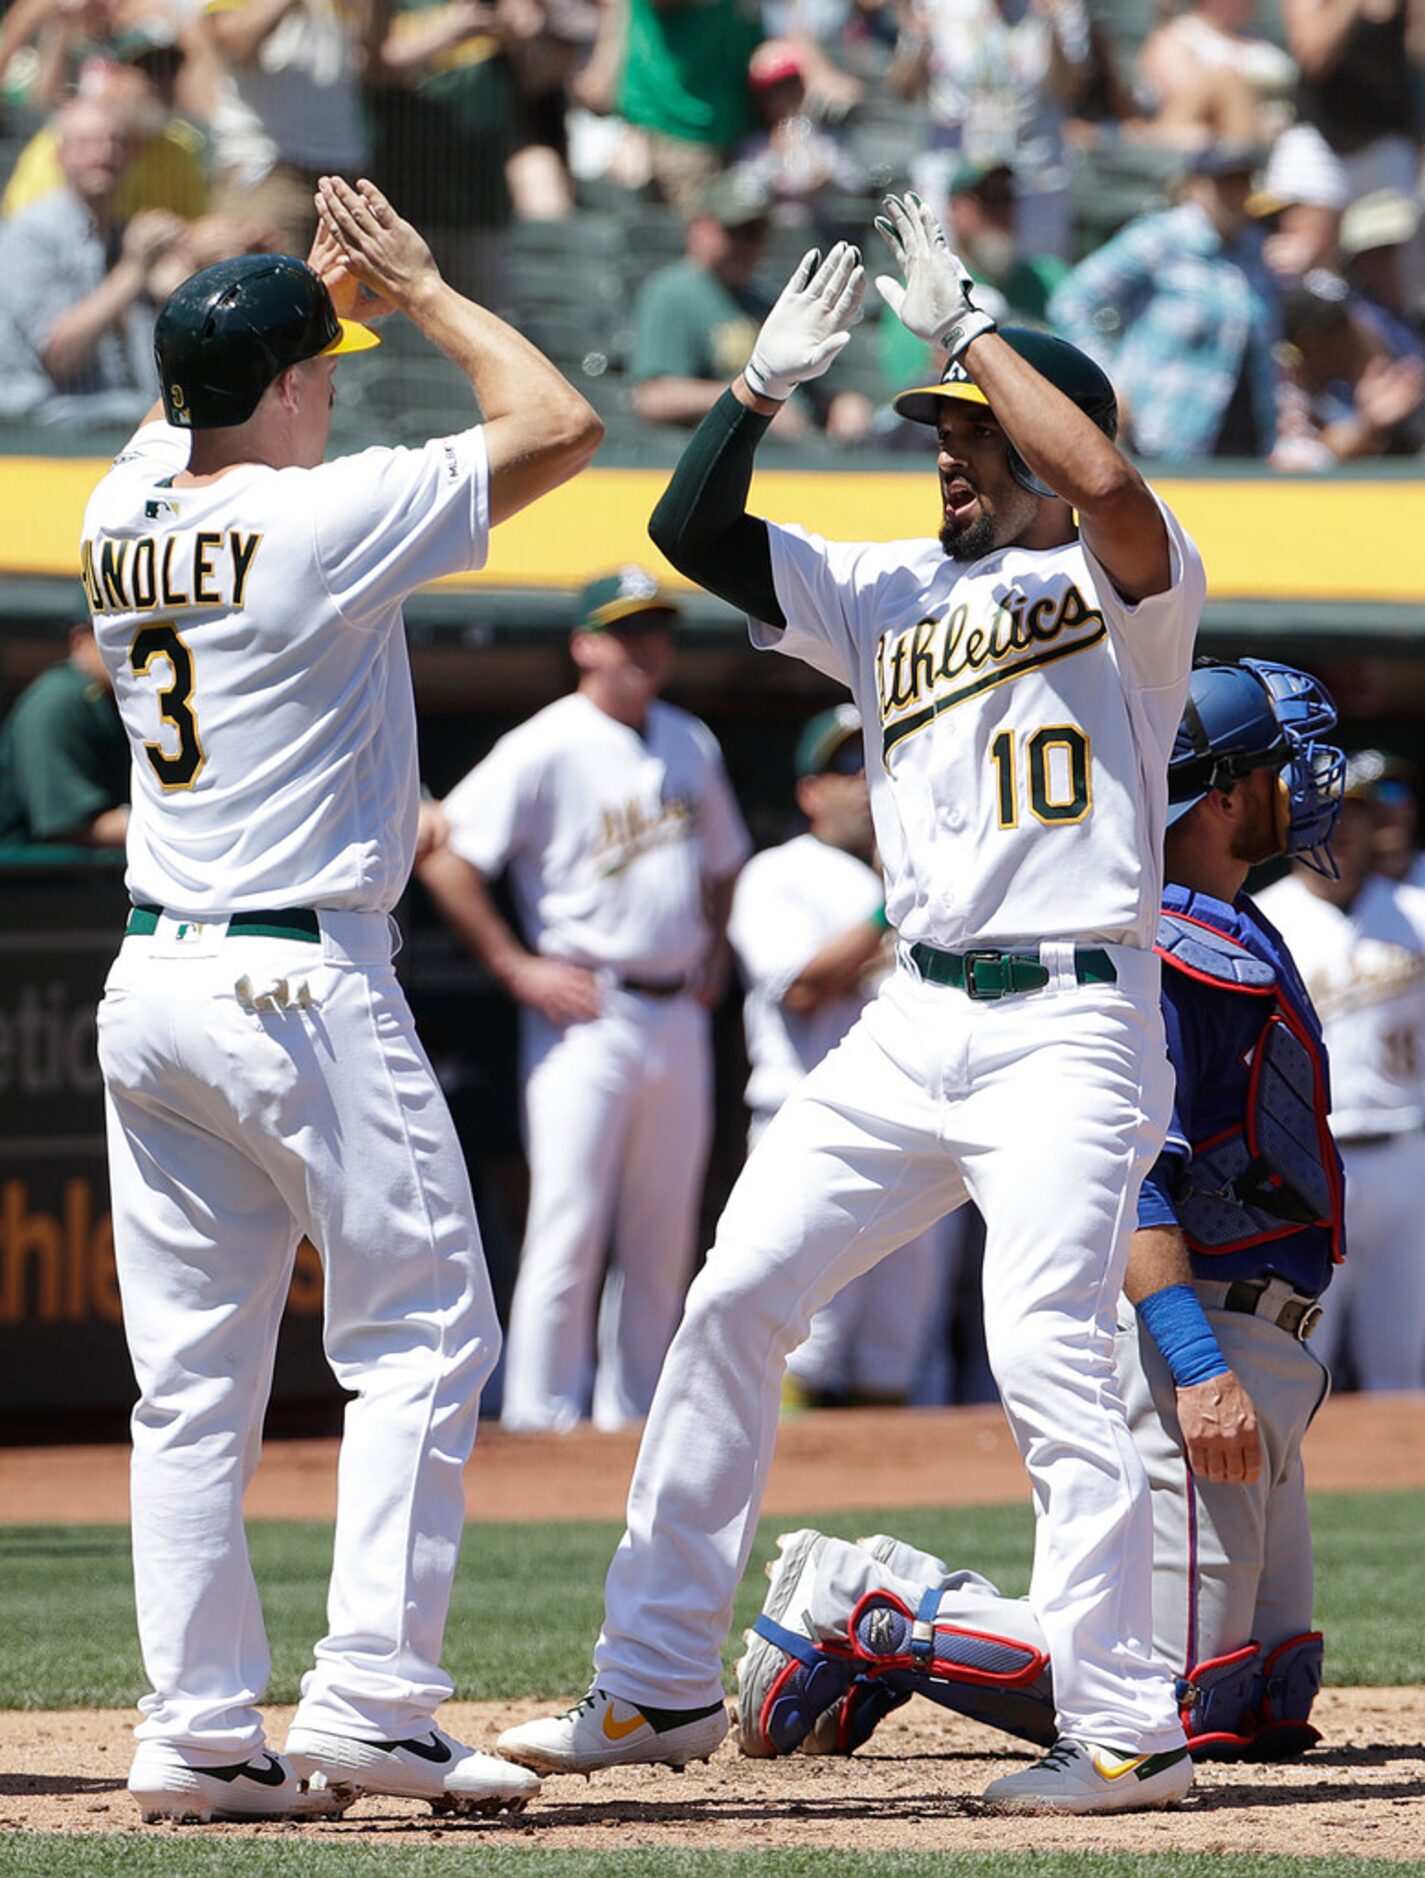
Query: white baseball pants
{"points": [[1374, 1307], [1046, 1109], [232, 1131], [871, 1340], [618, 1123]]}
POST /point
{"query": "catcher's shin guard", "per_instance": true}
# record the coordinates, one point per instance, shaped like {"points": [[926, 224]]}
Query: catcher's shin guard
{"points": [[1291, 1679], [1218, 1702], [995, 1679]]}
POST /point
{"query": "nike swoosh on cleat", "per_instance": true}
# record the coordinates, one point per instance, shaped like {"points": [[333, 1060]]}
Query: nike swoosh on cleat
{"points": [[433, 1750], [1115, 1770], [272, 1775], [619, 1731]]}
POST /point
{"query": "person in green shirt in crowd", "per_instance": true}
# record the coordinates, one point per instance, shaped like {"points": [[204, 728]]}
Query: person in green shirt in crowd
{"points": [[695, 321], [684, 84], [64, 758], [1014, 286]]}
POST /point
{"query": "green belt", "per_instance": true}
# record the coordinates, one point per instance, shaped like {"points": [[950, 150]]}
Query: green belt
{"points": [[989, 975], [294, 922]]}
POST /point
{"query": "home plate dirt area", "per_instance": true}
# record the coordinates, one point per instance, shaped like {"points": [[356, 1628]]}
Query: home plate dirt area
{"points": [[1359, 1794]]}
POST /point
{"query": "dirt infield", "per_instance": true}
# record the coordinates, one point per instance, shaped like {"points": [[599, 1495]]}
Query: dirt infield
{"points": [[1358, 1795], [826, 1462], [911, 1790]]}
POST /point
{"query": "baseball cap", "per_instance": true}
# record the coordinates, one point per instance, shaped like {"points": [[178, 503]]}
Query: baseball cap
{"points": [[824, 737], [773, 61], [1227, 159], [619, 598], [971, 179], [735, 199], [1386, 218]]}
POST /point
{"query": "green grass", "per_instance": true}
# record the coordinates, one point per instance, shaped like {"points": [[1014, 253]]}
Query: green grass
{"points": [[139, 1856], [528, 1600]]}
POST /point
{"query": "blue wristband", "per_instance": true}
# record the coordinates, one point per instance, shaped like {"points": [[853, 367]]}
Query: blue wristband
{"points": [[1178, 1325]]}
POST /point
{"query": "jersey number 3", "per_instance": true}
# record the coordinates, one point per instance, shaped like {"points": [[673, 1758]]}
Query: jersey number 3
{"points": [[1057, 759], [176, 769]]}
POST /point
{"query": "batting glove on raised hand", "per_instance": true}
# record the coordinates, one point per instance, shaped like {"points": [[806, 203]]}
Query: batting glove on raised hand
{"points": [[935, 302], [810, 324]]}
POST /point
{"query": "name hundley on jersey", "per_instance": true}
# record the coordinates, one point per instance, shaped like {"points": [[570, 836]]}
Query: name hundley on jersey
{"points": [[965, 651], [136, 573]]}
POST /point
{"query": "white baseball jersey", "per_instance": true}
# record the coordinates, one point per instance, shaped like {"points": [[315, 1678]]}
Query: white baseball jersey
{"points": [[1027, 714], [287, 581], [791, 901], [608, 833], [1364, 966]]}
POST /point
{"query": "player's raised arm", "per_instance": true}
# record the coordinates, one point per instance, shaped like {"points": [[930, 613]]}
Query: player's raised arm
{"points": [[701, 522], [1118, 517], [539, 431]]}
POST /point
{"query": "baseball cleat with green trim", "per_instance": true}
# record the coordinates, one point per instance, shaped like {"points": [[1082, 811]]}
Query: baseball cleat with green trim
{"points": [[604, 1730], [1080, 1777]]}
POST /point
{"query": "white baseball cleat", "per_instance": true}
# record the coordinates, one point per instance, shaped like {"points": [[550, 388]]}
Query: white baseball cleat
{"points": [[1078, 1777], [605, 1731], [454, 1778], [265, 1786]]}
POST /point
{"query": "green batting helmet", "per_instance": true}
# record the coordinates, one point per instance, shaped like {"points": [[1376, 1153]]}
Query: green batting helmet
{"points": [[1073, 372], [226, 333]]}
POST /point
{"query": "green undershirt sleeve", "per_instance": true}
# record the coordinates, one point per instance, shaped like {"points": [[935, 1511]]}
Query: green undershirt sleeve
{"points": [[701, 521]]}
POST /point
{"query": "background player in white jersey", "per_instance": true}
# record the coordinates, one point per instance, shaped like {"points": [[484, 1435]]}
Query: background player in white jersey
{"points": [[1235, 1243], [1027, 677], [263, 1076], [615, 817], [809, 930], [1360, 942]]}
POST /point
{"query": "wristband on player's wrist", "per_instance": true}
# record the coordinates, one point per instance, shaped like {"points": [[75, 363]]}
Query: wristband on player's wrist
{"points": [[879, 920], [764, 384], [1178, 1325], [970, 324]]}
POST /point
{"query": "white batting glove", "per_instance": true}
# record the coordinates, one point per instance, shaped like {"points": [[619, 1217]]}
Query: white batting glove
{"points": [[810, 324], [935, 302]]}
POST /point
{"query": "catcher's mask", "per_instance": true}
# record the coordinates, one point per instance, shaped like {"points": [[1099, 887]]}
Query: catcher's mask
{"points": [[1071, 371], [1257, 714], [230, 329]]}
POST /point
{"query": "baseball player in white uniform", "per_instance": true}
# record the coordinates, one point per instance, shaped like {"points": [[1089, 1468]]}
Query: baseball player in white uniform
{"points": [[263, 1076], [1026, 676], [613, 812], [809, 931], [1239, 1228], [1360, 943]]}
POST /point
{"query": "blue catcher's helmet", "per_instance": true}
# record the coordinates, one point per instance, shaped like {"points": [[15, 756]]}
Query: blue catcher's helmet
{"points": [[1257, 714]]}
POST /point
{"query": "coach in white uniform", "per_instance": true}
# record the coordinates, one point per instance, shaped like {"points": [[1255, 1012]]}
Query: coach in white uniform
{"points": [[1360, 944], [263, 1076], [615, 817], [809, 932], [1027, 675]]}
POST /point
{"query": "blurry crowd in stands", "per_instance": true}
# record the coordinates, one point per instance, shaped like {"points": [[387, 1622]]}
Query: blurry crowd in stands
{"points": [[1222, 203]]}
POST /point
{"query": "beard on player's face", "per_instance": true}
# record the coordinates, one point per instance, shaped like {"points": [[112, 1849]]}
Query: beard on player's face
{"points": [[1258, 834], [993, 510]]}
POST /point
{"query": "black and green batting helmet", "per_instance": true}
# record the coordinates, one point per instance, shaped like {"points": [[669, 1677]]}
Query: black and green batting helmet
{"points": [[226, 333], [1071, 371]]}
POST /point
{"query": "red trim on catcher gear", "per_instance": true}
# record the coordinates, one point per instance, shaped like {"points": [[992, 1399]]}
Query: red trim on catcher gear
{"points": [[794, 1666], [1169, 957], [1222, 1738], [944, 1667]]}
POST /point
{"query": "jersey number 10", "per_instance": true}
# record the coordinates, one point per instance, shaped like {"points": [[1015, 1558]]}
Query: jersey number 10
{"points": [[1057, 759]]}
